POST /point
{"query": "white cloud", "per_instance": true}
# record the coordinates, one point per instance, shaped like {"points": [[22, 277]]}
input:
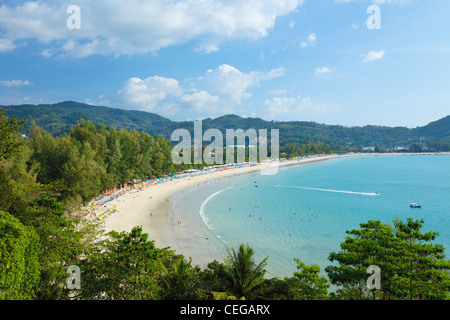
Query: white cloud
{"points": [[6, 45], [207, 48], [311, 41], [232, 85], [289, 108], [323, 70], [15, 83], [280, 105], [312, 38], [31, 20], [219, 91], [120, 28], [374, 55], [200, 99], [146, 94]]}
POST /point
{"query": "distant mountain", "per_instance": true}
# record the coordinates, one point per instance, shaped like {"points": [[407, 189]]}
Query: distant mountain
{"points": [[439, 129], [58, 118]]}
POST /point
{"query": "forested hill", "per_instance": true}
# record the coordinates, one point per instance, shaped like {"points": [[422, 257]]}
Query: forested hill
{"points": [[58, 118]]}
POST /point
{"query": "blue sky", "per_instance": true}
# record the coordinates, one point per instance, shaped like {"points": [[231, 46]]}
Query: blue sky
{"points": [[313, 60]]}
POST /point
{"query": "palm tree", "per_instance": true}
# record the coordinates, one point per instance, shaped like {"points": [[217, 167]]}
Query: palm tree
{"points": [[244, 275]]}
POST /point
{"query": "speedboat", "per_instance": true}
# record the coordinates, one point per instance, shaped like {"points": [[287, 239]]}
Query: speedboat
{"points": [[415, 205]]}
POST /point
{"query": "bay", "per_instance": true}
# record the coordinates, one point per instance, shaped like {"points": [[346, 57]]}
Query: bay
{"points": [[303, 211]]}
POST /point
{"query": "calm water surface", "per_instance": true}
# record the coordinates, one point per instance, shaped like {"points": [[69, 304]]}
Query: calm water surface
{"points": [[303, 211]]}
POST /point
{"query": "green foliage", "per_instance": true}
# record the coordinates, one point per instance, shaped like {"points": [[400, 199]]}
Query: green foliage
{"points": [[39, 177], [225, 296], [19, 167], [424, 274], [62, 239], [310, 148], [9, 141], [39, 222], [309, 285], [111, 271], [10, 198], [92, 158], [244, 276], [19, 263], [51, 204], [129, 266], [306, 284], [183, 282], [411, 267]]}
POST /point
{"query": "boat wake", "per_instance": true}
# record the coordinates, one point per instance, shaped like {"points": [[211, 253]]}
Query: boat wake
{"points": [[331, 190]]}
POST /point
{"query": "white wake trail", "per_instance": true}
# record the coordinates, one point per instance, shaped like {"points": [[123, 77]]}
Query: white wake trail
{"points": [[331, 190]]}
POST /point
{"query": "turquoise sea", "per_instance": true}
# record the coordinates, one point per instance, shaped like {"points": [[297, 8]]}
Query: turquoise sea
{"points": [[303, 211]]}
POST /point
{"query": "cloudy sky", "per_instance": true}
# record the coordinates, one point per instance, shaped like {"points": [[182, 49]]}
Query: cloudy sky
{"points": [[329, 61]]}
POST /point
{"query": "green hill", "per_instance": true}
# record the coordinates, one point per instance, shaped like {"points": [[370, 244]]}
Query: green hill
{"points": [[58, 118], [439, 129]]}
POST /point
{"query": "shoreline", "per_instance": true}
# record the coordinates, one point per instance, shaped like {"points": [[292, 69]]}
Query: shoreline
{"points": [[151, 207]]}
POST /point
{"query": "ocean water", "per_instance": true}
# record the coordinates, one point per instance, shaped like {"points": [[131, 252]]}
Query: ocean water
{"points": [[303, 211]]}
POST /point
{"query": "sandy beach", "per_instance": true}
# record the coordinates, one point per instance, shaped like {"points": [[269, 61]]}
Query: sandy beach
{"points": [[149, 207]]}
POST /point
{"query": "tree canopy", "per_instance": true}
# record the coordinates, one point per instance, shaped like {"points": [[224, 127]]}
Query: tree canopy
{"points": [[43, 177]]}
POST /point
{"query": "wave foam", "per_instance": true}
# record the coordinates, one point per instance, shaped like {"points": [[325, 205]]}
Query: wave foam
{"points": [[202, 210]]}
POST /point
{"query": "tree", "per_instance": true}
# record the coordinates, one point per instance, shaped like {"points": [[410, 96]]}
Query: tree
{"points": [[244, 276], [82, 174], [20, 168], [19, 263], [114, 158], [424, 273], [85, 131], [9, 141], [126, 266], [357, 254], [46, 154], [161, 161], [135, 256], [409, 269], [308, 283], [10, 198], [183, 282], [214, 278], [63, 241]]}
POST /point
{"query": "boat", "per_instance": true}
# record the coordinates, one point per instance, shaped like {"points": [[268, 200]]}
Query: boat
{"points": [[415, 205]]}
